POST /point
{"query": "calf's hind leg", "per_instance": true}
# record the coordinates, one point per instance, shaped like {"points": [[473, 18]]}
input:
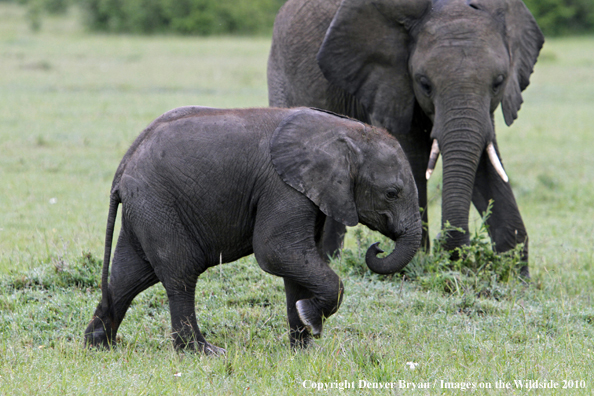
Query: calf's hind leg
{"points": [[178, 262], [130, 275], [186, 333]]}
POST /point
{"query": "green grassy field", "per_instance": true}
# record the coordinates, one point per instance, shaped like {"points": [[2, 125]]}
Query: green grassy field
{"points": [[70, 105]]}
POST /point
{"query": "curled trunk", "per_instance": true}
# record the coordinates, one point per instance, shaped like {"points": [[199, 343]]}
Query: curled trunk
{"points": [[405, 248]]}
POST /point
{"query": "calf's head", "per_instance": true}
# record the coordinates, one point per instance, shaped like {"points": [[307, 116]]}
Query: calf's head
{"points": [[353, 173]]}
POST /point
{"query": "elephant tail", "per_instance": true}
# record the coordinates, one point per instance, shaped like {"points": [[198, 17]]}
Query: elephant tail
{"points": [[114, 202]]}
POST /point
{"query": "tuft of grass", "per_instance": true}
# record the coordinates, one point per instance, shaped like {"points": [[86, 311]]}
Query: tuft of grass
{"points": [[56, 273]]}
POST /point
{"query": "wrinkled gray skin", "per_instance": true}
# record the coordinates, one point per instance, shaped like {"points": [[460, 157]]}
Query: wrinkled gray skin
{"points": [[203, 186], [423, 70]]}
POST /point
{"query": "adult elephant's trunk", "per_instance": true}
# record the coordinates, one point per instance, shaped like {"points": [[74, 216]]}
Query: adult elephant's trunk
{"points": [[463, 132], [405, 247]]}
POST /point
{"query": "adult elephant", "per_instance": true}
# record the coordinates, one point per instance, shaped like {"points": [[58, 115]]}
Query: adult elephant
{"points": [[432, 73]]}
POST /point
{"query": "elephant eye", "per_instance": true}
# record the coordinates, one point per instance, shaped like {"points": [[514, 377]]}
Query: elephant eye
{"points": [[498, 82], [425, 85], [392, 194]]}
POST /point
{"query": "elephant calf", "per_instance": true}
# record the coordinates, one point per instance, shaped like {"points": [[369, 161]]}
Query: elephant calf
{"points": [[203, 186]]}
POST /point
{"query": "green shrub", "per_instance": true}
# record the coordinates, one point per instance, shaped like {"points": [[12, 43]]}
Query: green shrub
{"points": [[556, 17], [56, 6], [201, 17], [206, 17], [476, 271]]}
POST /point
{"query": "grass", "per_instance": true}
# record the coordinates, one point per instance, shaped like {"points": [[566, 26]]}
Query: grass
{"points": [[70, 105]]}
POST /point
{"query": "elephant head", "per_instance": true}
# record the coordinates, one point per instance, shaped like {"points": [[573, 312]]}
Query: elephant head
{"points": [[457, 60], [354, 173]]}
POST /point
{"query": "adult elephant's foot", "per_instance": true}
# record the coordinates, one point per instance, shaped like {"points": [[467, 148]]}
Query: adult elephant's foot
{"points": [[310, 316], [525, 274]]}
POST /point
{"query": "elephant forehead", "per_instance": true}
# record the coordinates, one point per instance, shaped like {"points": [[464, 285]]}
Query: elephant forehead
{"points": [[465, 52], [472, 48], [457, 23], [385, 151], [387, 165]]}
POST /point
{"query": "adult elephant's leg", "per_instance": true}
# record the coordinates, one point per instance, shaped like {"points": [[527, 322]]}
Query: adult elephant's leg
{"points": [[506, 227], [130, 275], [299, 335], [417, 146], [332, 238]]}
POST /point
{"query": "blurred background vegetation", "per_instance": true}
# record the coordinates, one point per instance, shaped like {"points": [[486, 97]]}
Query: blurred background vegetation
{"points": [[208, 17], [196, 17]]}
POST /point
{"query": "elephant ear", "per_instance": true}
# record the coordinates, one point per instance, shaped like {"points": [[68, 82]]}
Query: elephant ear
{"points": [[365, 52], [524, 40], [312, 153]]}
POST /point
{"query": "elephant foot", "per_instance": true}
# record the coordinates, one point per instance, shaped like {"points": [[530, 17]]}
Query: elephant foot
{"points": [[96, 335], [309, 316], [525, 274], [200, 346], [97, 342], [299, 338], [211, 350]]}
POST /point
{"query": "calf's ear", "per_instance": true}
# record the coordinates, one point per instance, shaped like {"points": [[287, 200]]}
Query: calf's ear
{"points": [[312, 152]]}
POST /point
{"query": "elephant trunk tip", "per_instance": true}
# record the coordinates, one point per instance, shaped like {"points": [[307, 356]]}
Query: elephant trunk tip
{"points": [[395, 261], [374, 263], [374, 250]]}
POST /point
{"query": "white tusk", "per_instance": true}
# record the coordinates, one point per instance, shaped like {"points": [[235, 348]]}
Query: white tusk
{"points": [[496, 163], [432, 159]]}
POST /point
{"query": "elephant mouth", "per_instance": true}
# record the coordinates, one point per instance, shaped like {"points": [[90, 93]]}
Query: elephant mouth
{"points": [[491, 153], [383, 222]]}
